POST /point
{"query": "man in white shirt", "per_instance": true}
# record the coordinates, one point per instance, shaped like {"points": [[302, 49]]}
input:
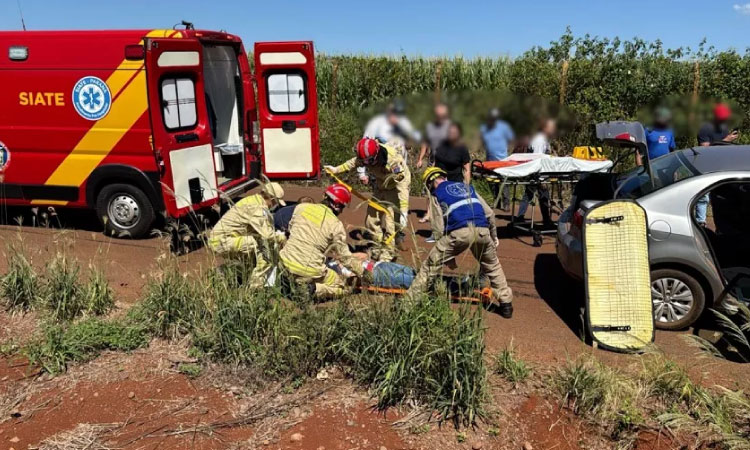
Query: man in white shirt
{"points": [[393, 127], [540, 144]]}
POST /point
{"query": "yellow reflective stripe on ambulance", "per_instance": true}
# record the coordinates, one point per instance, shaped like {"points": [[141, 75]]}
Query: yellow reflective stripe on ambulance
{"points": [[130, 102]]}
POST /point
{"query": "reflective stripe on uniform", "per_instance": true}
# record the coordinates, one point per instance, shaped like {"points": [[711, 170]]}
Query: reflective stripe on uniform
{"points": [[331, 278], [459, 204], [315, 213], [299, 269]]}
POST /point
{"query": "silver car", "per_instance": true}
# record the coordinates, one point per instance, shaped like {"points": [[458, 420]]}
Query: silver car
{"points": [[692, 267]]}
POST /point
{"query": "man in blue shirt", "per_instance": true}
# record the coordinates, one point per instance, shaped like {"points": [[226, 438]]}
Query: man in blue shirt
{"points": [[660, 138], [469, 225], [497, 138]]}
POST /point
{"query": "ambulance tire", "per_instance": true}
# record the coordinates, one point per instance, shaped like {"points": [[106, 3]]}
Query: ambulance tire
{"points": [[125, 211]]}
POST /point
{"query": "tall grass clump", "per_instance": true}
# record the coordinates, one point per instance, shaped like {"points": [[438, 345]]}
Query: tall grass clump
{"points": [[98, 298], [420, 350], [735, 335], [20, 286], [171, 302], [63, 296], [510, 367], [602, 395]]}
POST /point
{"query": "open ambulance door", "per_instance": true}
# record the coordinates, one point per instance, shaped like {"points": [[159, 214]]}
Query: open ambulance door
{"points": [[180, 124], [287, 109]]}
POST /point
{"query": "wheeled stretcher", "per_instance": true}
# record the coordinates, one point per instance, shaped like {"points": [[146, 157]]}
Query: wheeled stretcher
{"points": [[538, 172]]}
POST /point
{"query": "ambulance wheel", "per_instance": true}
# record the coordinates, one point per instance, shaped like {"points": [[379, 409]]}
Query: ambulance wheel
{"points": [[125, 211], [678, 299]]}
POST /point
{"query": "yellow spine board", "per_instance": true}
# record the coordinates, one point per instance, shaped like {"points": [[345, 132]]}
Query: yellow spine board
{"points": [[619, 309]]}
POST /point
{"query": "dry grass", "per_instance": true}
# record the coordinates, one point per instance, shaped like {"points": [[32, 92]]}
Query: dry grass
{"points": [[83, 436]]}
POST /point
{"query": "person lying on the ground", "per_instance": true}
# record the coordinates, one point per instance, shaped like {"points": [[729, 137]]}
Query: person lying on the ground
{"points": [[469, 225], [391, 186], [384, 274], [246, 231], [315, 232]]}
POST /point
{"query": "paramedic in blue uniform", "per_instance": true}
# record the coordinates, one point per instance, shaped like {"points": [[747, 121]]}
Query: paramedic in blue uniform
{"points": [[469, 225]]}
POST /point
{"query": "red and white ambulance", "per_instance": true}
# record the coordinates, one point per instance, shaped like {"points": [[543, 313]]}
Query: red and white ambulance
{"points": [[138, 123]]}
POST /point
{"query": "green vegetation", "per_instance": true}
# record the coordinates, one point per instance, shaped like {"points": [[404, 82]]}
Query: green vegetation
{"points": [[660, 392], [583, 80], [735, 335], [60, 344], [19, 287], [420, 350], [58, 291], [189, 369], [510, 367]]}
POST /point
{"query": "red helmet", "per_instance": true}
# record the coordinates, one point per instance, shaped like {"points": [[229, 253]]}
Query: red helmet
{"points": [[367, 151], [339, 194]]}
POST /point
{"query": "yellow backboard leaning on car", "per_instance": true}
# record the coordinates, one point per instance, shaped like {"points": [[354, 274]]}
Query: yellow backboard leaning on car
{"points": [[619, 312]]}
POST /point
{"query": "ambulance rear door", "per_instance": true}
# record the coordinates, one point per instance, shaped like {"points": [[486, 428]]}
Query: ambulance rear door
{"points": [[287, 109], [180, 123]]}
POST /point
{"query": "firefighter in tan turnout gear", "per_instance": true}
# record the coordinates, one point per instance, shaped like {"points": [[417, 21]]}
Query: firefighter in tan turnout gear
{"points": [[315, 233], [247, 231], [469, 225], [391, 186]]}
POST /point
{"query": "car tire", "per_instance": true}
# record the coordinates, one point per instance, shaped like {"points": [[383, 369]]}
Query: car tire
{"points": [[125, 211], [677, 294]]}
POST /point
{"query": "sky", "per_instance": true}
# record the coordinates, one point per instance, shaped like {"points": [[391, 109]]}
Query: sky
{"points": [[412, 27]]}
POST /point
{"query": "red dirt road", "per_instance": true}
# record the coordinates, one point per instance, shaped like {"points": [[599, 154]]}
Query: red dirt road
{"points": [[545, 330]]}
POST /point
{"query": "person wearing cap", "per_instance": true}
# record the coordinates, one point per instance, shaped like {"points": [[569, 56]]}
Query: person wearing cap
{"points": [[660, 137], [392, 179], [497, 138], [717, 131], [714, 133], [316, 233], [246, 231], [469, 225]]}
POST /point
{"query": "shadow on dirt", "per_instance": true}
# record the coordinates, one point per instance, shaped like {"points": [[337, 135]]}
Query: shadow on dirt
{"points": [[48, 217], [565, 296]]}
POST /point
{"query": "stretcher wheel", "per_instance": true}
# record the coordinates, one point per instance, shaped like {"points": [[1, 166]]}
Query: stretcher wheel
{"points": [[537, 238]]}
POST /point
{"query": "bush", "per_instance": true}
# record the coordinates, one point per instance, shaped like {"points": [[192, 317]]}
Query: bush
{"points": [[20, 286]]}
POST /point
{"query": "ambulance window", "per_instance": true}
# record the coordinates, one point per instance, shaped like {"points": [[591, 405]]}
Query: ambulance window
{"points": [[178, 100], [286, 93]]}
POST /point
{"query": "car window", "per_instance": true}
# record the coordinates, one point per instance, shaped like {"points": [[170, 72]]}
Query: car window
{"points": [[667, 170]]}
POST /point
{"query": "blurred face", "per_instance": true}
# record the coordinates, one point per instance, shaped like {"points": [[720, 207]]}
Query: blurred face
{"points": [[441, 112], [392, 118], [454, 134], [550, 128]]}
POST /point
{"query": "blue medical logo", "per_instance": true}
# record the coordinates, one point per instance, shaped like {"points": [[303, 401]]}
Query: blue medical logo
{"points": [[4, 157], [458, 190], [91, 98]]}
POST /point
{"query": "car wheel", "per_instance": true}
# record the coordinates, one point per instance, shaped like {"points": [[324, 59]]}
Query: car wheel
{"points": [[125, 211], [678, 299]]}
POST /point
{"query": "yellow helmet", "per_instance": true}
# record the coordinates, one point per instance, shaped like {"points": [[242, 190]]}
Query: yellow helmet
{"points": [[431, 173]]}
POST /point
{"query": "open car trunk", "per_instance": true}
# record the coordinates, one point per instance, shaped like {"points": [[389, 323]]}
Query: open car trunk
{"points": [[223, 89]]}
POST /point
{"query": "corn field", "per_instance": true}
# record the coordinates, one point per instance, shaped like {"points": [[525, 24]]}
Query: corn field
{"points": [[581, 80]]}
